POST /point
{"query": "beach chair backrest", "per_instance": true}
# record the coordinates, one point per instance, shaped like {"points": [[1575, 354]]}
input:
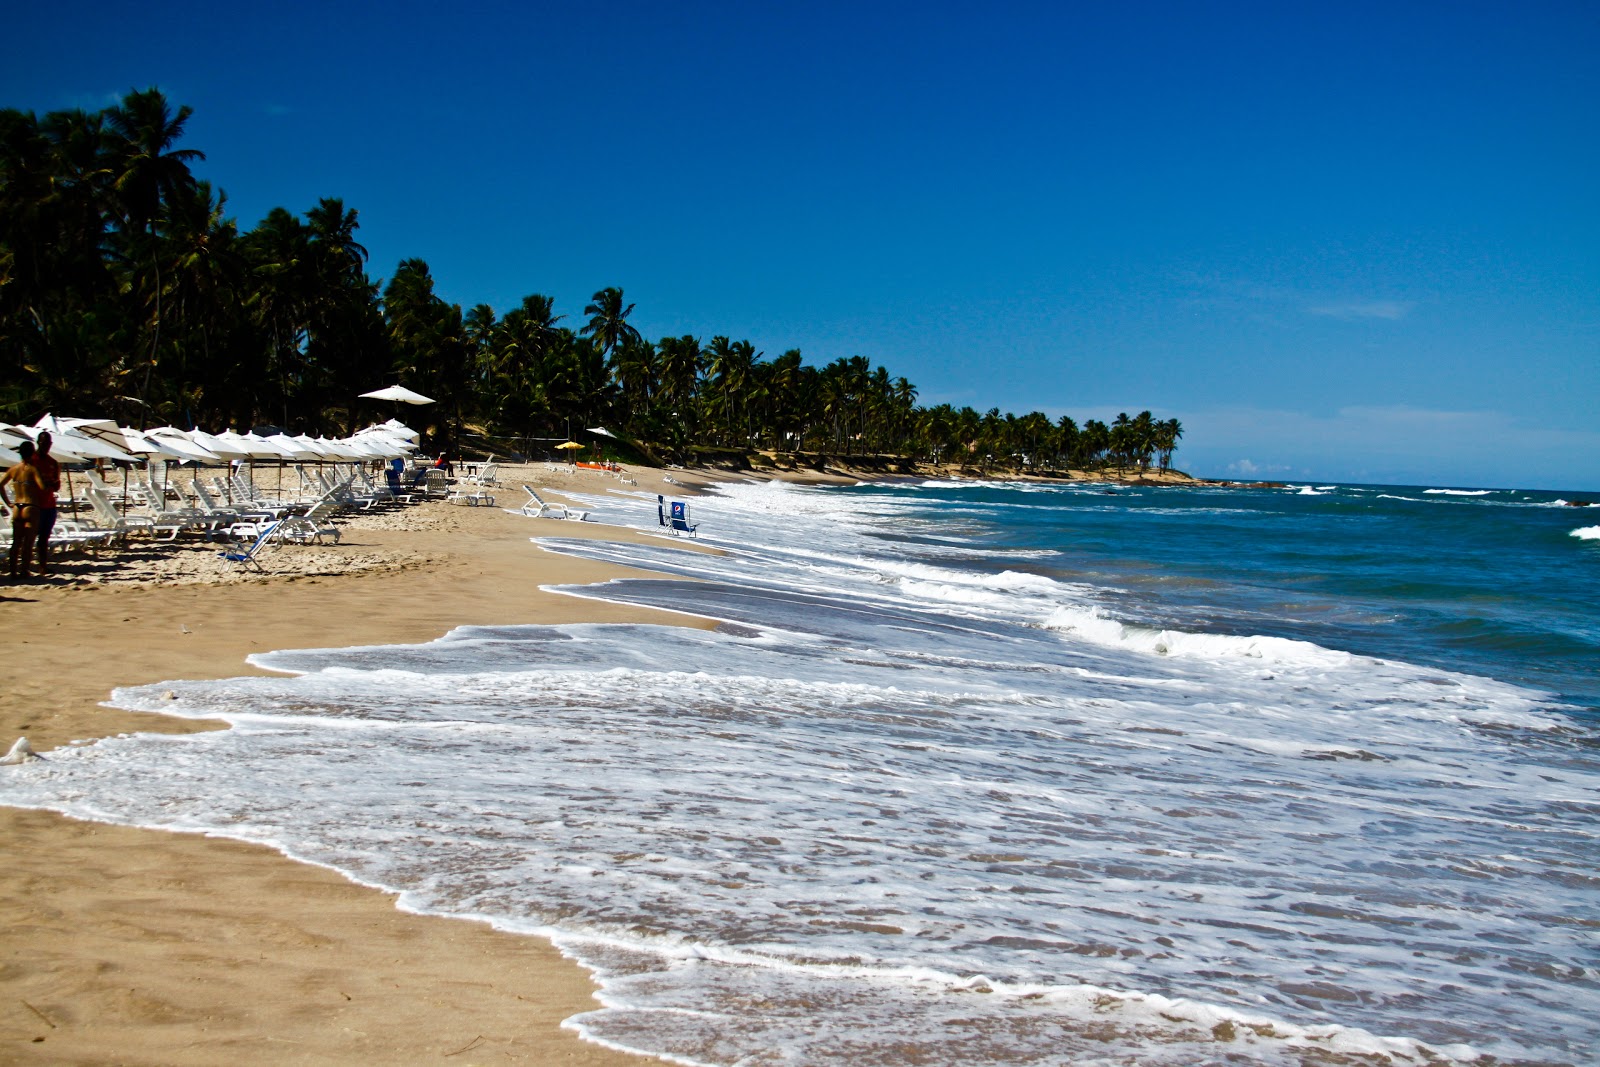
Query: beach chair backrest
{"points": [[678, 519], [246, 557], [103, 507], [155, 476], [244, 488]]}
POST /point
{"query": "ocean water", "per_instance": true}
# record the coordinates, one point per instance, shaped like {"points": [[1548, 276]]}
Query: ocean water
{"points": [[982, 774]]}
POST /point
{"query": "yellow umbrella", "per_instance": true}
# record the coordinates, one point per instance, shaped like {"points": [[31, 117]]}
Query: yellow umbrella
{"points": [[570, 446]]}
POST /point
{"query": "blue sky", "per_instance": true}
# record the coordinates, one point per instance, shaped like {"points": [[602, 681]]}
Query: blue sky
{"points": [[1352, 242]]}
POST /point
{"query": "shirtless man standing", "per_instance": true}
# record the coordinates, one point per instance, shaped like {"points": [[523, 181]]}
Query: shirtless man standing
{"points": [[49, 477], [29, 489]]}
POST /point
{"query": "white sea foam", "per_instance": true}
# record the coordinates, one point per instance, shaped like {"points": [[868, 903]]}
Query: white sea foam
{"points": [[1460, 492], [1093, 624], [1587, 533], [902, 808]]}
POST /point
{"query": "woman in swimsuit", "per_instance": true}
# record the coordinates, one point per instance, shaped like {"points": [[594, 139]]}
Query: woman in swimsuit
{"points": [[30, 490]]}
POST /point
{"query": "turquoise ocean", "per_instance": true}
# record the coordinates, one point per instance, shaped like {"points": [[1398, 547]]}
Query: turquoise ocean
{"points": [[982, 773]]}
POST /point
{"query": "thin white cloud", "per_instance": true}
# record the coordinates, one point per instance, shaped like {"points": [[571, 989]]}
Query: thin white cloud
{"points": [[1246, 468], [1392, 310], [1255, 300]]}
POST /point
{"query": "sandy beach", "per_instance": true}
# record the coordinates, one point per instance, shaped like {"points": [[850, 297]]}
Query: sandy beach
{"points": [[144, 947]]}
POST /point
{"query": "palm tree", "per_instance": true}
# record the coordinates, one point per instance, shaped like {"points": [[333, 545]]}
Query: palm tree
{"points": [[681, 367], [638, 370], [344, 352], [730, 371], [608, 321], [1166, 440], [783, 414], [905, 403], [1142, 438], [59, 297], [331, 230], [1066, 441], [278, 250], [1095, 442], [149, 173], [1121, 439], [207, 303], [483, 335], [431, 349]]}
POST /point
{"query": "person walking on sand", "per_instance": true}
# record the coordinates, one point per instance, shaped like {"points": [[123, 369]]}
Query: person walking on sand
{"points": [[24, 482], [50, 478]]}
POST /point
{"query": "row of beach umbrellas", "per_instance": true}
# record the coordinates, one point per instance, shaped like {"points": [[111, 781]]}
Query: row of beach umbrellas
{"points": [[88, 440]]}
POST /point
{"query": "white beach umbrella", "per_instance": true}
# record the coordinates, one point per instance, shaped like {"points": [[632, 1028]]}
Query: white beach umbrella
{"points": [[277, 450], [235, 440], [179, 441], [140, 445], [103, 430], [397, 447], [217, 446], [370, 447], [70, 441], [10, 438], [156, 453], [314, 446], [295, 449], [399, 393], [260, 441], [392, 444], [400, 429], [339, 450], [393, 431], [75, 447], [263, 449], [252, 445]]}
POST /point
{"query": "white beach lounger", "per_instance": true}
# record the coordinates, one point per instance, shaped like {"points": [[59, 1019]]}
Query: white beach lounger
{"points": [[540, 508]]}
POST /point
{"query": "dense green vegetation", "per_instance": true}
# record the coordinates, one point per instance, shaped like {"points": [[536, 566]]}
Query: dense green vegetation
{"points": [[125, 290]]}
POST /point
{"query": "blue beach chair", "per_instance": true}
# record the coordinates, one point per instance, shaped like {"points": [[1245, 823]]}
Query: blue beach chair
{"points": [[678, 521], [246, 557]]}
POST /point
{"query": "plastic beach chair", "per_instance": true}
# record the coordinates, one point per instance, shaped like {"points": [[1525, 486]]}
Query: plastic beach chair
{"points": [[470, 496], [246, 557], [315, 524], [397, 488], [540, 508], [676, 519]]}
